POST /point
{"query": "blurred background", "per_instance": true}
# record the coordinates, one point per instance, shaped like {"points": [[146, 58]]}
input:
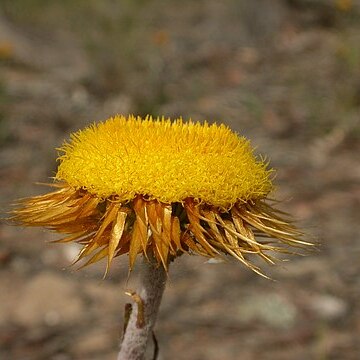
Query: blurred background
{"points": [[285, 73]]}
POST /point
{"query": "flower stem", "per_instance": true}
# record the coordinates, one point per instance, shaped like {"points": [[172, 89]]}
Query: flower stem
{"points": [[145, 307]]}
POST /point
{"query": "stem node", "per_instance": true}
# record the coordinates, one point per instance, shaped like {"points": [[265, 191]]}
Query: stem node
{"points": [[142, 317]]}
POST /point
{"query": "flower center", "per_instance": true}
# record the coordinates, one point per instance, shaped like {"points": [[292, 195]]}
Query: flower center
{"points": [[163, 160]]}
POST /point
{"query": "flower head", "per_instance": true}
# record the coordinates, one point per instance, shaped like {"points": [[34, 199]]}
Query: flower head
{"points": [[132, 185]]}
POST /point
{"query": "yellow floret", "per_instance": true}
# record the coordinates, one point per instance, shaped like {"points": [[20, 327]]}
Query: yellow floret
{"points": [[164, 160]]}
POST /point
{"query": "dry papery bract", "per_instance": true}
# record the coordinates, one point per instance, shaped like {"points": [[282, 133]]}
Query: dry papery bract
{"points": [[107, 227]]}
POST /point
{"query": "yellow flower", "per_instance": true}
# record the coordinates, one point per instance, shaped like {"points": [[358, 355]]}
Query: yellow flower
{"points": [[132, 186], [344, 5]]}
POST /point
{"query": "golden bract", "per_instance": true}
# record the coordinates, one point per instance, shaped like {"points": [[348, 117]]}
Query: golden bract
{"points": [[161, 188]]}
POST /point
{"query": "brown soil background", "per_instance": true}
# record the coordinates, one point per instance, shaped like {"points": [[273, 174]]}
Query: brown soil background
{"points": [[284, 73]]}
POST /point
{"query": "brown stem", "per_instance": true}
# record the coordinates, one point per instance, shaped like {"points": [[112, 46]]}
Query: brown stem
{"points": [[145, 307]]}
